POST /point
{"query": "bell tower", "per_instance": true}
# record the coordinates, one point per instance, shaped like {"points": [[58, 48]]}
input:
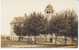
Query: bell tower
{"points": [[49, 11]]}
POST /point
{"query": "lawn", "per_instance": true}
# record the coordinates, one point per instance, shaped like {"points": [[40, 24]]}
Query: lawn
{"points": [[23, 44]]}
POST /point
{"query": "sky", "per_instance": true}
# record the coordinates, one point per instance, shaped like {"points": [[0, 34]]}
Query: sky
{"points": [[12, 8]]}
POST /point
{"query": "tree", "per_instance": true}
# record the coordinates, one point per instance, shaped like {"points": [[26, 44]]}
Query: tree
{"points": [[54, 26], [35, 25], [65, 23], [72, 20], [17, 24]]}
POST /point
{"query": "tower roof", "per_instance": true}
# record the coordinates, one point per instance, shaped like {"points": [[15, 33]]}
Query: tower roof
{"points": [[49, 8]]}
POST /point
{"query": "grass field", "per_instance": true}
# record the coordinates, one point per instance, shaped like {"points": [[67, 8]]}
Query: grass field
{"points": [[23, 44]]}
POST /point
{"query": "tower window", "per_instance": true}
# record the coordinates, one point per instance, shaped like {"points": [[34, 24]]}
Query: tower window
{"points": [[48, 11]]}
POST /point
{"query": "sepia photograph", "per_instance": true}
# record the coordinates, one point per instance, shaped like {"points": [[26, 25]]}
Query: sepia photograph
{"points": [[39, 24]]}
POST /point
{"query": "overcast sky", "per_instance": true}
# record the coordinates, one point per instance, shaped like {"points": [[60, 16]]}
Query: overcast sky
{"points": [[12, 8]]}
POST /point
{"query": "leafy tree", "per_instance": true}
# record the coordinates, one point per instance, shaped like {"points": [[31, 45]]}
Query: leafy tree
{"points": [[65, 23], [17, 24], [72, 20], [35, 25]]}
